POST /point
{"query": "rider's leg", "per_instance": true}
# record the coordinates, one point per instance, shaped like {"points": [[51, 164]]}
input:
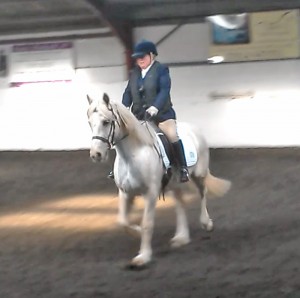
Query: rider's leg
{"points": [[179, 153], [170, 130]]}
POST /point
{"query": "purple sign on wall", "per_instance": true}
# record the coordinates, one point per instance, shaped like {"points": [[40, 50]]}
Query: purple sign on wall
{"points": [[36, 47]]}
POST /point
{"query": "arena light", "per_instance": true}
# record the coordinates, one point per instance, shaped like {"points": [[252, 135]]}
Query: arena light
{"points": [[215, 59]]}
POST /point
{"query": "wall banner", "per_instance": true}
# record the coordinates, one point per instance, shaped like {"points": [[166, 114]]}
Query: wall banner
{"points": [[41, 62]]}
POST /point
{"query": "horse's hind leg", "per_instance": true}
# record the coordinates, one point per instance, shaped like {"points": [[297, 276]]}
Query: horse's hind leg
{"points": [[182, 234], [205, 221], [125, 206]]}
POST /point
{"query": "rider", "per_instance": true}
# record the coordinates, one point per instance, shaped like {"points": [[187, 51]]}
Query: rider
{"points": [[148, 91]]}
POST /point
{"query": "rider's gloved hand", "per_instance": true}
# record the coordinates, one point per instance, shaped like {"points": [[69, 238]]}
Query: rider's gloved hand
{"points": [[152, 111], [141, 114]]}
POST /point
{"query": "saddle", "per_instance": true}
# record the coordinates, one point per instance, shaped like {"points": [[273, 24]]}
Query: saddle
{"points": [[165, 147]]}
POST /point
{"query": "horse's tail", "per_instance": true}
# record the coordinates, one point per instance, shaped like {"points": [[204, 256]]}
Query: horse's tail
{"points": [[216, 187]]}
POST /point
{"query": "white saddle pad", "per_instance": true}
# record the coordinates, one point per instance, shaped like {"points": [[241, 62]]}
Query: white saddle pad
{"points": [[189, 149]]}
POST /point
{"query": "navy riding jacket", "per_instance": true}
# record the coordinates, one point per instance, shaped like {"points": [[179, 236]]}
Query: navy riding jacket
{"points": [[152, 90]]}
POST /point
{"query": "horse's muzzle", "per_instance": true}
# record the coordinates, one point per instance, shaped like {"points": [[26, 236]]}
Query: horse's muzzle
{"points": [[95, 156]]}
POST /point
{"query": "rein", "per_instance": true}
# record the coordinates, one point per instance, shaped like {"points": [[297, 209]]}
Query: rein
{"points": [[146, 123]]}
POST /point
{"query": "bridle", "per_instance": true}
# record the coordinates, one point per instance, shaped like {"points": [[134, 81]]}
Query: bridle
{"points": [[110, 140]]}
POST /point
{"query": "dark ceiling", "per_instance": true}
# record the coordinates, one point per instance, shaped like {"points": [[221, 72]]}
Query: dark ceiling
{"points": [[144, 12], [117, 16]]}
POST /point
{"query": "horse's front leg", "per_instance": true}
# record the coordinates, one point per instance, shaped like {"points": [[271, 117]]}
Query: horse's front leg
{"points": [[145, 253], [125, 206]]}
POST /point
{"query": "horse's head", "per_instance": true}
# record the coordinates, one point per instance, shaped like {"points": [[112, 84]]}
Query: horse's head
{"points": [[105, 125], [112, 122]]}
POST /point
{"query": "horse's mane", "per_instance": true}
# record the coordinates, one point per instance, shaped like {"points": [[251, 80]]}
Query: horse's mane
{"points": [[135, 128]]}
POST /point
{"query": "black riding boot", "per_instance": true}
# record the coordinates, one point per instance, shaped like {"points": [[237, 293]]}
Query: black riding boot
{"points": [[180, 158]]}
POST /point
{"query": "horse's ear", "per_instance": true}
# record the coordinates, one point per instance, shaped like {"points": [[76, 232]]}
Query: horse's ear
{"points": [[89, 99], [106, 99]]}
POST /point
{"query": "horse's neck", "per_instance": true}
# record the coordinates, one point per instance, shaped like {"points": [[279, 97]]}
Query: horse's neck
{"points": [[126, 147], [130, 145]]}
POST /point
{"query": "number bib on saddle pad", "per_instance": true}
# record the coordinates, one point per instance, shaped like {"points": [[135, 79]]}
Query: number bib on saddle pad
{"points": [[190, 151], [189, 148]]}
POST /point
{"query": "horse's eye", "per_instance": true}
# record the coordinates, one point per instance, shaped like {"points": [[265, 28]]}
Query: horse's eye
{"points": [[105, 122]]}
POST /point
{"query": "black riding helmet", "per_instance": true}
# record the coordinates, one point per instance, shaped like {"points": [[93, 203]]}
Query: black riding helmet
{"points": [[143, 48]]}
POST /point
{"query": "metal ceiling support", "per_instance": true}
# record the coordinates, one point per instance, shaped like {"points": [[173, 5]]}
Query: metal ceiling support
{"points": [[19, 40], [122, 29], [169, 34], [128, 43]]}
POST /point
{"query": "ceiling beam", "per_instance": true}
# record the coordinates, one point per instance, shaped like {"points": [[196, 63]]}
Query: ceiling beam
{"points": [[48, 26], [53, 37], [37, 20]]}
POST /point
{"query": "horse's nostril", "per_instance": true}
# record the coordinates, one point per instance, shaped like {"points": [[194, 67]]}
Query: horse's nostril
{"points": [[98, 154]]}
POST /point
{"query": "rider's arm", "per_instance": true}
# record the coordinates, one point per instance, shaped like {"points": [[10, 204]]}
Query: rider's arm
{"points": [[164, 87], [127, 98]]}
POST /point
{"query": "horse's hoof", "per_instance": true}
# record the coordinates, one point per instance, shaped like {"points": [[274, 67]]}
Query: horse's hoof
{"points": [[133, 267], [209, 227], [178, 241], [139, 262]]}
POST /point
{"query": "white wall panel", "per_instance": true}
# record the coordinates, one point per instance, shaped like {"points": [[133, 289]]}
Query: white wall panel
{"points": [[99, 52], [188, 43], [104, 75], [270, 118], [51, 117]]}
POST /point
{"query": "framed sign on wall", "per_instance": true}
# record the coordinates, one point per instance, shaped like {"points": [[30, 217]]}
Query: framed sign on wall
{"points": [[232, 29], [41, 62], [255, 36]]}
